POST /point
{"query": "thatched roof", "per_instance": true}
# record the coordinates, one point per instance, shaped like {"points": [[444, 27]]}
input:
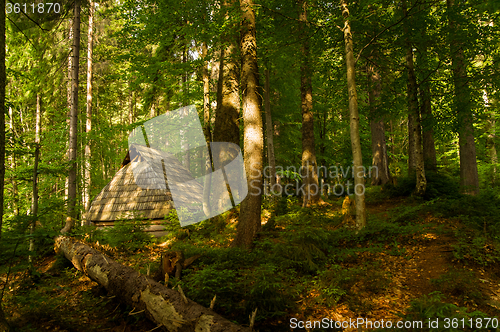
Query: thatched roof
{"points": [[139, 189]]}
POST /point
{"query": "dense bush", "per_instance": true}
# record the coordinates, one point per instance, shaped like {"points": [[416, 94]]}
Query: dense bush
{"points": [[126, 235], [438, 185], [430, 307], [460, 283]]}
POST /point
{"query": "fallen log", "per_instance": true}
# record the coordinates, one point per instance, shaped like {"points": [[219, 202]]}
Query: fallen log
{"points": [[162, 305]]}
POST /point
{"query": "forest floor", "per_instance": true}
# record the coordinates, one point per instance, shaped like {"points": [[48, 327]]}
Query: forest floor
{"points": [[374, 278]]}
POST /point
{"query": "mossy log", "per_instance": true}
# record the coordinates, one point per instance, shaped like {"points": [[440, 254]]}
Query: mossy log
{"points": [[162, 305]]}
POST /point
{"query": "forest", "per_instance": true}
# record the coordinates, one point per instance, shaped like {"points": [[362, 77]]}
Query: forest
{"points": [[332, 165]]}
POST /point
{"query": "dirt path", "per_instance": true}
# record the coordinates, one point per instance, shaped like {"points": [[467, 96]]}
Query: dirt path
{"points": [[430, 260]]}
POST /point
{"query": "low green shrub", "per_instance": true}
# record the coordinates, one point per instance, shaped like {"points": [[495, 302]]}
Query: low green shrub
{"points": [[126, 235], [438, 185], [304, 249], [337, 285], [461, 284], [437, 315], [477, 249], [202, 285], [267, 292]]}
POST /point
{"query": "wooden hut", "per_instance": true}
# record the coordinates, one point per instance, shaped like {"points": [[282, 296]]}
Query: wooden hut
{"points": [[124, 199]]}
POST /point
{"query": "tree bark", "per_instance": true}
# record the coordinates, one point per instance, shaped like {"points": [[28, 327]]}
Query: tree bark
{"points": [[226, 127], [185, 102], [164, 306], [469, 178], [13, 165], [269, 132], [427, 118], [69, 89], [34, 199], [430, 159], [73, 125], [414, 113], [311, 192], [250, 221], [88, 125], [206, 95], [412, 165], [491, 136], [220, 79], [358, 169], [429, 148], [206, 131], [3, 83], [380, 173], [4, 327]]}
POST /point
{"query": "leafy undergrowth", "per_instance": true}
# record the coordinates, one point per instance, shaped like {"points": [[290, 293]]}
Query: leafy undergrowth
{"points": [[417, 260], [57, 297]]}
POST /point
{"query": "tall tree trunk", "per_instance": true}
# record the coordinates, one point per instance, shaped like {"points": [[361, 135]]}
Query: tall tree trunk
{"points": [[250, 222], [311, 191], [185, 101], [206, 130], [391, 139], [414, 112], [358, 169], [412, 165], [430, 159], [380, 173], [469, 178], [226, 127], [34, 199], [13, 165], [88, 127], [69, 89], [206, 95], [220, 79], [427, 118], [323, 173], [269, 133], [73, 126], [491, 132], [429, 148], [3, 83], [4, 327]]}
